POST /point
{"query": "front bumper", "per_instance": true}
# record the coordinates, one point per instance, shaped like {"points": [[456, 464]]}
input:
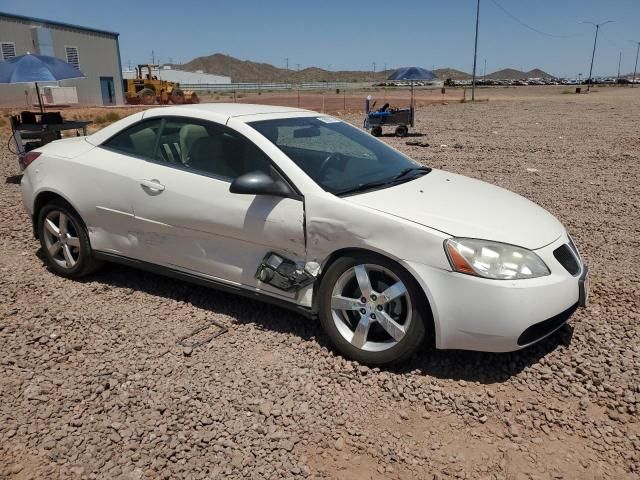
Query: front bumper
{"points": [[473, 313]]}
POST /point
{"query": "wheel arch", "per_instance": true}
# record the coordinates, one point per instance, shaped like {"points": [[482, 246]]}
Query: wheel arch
{"points": [[430, 324], [43, 198]]}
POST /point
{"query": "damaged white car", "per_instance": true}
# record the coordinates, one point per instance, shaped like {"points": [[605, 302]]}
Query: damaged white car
{"points": [[307, 211]]}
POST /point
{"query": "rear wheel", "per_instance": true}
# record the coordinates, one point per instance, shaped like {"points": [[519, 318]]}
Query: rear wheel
{"points": [[376, 131], [372, 309], [64, 241], [402, 131]]}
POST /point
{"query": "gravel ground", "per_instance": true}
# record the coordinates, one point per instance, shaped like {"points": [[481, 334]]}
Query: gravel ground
{"points": [[92, 384]]}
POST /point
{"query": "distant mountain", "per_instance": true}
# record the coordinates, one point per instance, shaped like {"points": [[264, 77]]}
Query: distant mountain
{"points": [[513, 74], [452, 73], [248, 71]]}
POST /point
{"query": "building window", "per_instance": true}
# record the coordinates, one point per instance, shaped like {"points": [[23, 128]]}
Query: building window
{"points": [[72, 56], [7, 50]]}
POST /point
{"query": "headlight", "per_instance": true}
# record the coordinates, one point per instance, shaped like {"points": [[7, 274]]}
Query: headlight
{"points": [[495, 260]]}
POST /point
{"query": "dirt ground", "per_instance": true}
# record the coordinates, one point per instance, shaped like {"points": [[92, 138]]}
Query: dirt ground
{"points": [[93, 385]]}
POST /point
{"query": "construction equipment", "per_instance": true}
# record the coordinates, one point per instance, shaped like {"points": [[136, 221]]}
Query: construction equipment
{"points": [[148, 89]]}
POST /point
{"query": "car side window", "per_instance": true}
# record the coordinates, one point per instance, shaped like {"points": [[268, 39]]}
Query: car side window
{"points": [[208, 148], [138, 140]]}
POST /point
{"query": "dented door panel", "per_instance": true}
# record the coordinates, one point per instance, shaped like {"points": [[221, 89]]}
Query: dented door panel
{"points": [[195, 223]]}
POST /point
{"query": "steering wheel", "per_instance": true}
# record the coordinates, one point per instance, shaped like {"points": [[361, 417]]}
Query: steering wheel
{"points": [[326, 163]]}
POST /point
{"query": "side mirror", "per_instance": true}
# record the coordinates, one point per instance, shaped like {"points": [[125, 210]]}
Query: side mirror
{"points": [[259, 183]]}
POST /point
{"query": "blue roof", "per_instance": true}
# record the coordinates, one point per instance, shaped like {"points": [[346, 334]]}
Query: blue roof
{"points": [[58, 24]]}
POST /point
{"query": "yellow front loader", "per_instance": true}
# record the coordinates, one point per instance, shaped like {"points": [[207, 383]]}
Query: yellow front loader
{"points": [[148, 89]]}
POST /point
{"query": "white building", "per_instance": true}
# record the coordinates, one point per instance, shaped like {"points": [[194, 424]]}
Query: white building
{"points": [[171, 74], [95, 52]]}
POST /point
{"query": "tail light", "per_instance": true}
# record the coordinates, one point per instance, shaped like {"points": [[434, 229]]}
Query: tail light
{"points": [[29, 157]]}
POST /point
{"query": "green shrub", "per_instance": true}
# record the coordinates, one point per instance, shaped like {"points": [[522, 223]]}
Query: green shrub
{"points": [[112, 117]]}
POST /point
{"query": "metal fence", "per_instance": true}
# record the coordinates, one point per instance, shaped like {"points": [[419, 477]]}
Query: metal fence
{"points": [[257, 87]]}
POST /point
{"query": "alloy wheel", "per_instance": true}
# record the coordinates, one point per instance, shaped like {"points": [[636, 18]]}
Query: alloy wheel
{"points": [[61, 239], [371, 307]]}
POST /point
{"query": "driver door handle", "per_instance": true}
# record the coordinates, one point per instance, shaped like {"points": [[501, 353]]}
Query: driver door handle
{"points": [[153, 185]]}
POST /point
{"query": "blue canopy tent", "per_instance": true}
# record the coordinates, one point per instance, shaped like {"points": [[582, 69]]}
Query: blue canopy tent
{"points": [[412, 74], [32, 68]]}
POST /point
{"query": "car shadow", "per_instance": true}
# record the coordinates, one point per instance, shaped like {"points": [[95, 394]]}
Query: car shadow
{"points": [[408, 135], [485, 368]]}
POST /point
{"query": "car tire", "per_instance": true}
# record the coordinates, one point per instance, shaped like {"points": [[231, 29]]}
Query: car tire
{"points": [[360, 330], [376, 131], [64, 240]]}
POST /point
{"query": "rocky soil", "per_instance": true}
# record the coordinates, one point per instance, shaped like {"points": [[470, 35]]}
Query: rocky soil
{"points": [[93, 385]]}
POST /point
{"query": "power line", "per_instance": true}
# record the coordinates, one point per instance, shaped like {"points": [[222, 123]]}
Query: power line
{"points": [[611, 42], [513, 17]]}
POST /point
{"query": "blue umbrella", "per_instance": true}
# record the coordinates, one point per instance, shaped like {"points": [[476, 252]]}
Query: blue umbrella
{"points": [[412, 73], [32, 68]]}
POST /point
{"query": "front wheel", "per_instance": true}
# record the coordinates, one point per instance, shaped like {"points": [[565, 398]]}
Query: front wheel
{"points": [[372, 309], [64, 240], [376, 131]]}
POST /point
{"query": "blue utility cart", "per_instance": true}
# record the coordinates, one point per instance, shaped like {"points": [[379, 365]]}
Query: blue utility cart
{"points": [[401, 118]]}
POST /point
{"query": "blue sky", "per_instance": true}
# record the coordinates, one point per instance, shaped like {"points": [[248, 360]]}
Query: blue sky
{"points": [[352, 34]]}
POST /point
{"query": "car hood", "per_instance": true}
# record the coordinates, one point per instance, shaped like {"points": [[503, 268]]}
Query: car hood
{"points": [[464, 207]]}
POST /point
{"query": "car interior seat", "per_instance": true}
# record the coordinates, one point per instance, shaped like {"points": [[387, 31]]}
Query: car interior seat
{"points": [[188, 135], [143, 141]]}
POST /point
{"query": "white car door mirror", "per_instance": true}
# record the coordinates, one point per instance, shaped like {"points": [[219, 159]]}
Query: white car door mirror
{"points": [[259, 183]]}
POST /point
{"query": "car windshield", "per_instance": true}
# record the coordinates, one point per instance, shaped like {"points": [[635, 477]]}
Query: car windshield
{"points": [[337, 156]]}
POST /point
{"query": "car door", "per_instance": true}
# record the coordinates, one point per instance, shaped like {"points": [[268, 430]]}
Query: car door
{"points": [[111, 170], [186, 218]]}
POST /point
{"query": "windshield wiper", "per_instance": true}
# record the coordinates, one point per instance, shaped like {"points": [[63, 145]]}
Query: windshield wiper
{"points": [[365, 186], [406, 171], [399, 178]]}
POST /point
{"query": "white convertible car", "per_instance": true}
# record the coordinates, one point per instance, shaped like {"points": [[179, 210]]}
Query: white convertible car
{"points": [[309, 212]]}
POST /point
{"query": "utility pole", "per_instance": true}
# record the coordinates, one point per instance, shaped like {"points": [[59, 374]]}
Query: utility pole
{"points": [[484, 71], [635, 69], [286, 61], [593, 54], [153, 57], [475, 55], [619, 63]]}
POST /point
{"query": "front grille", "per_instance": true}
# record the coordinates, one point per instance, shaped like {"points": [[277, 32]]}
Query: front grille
{"points": [[567, 259], [544, 328]]}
